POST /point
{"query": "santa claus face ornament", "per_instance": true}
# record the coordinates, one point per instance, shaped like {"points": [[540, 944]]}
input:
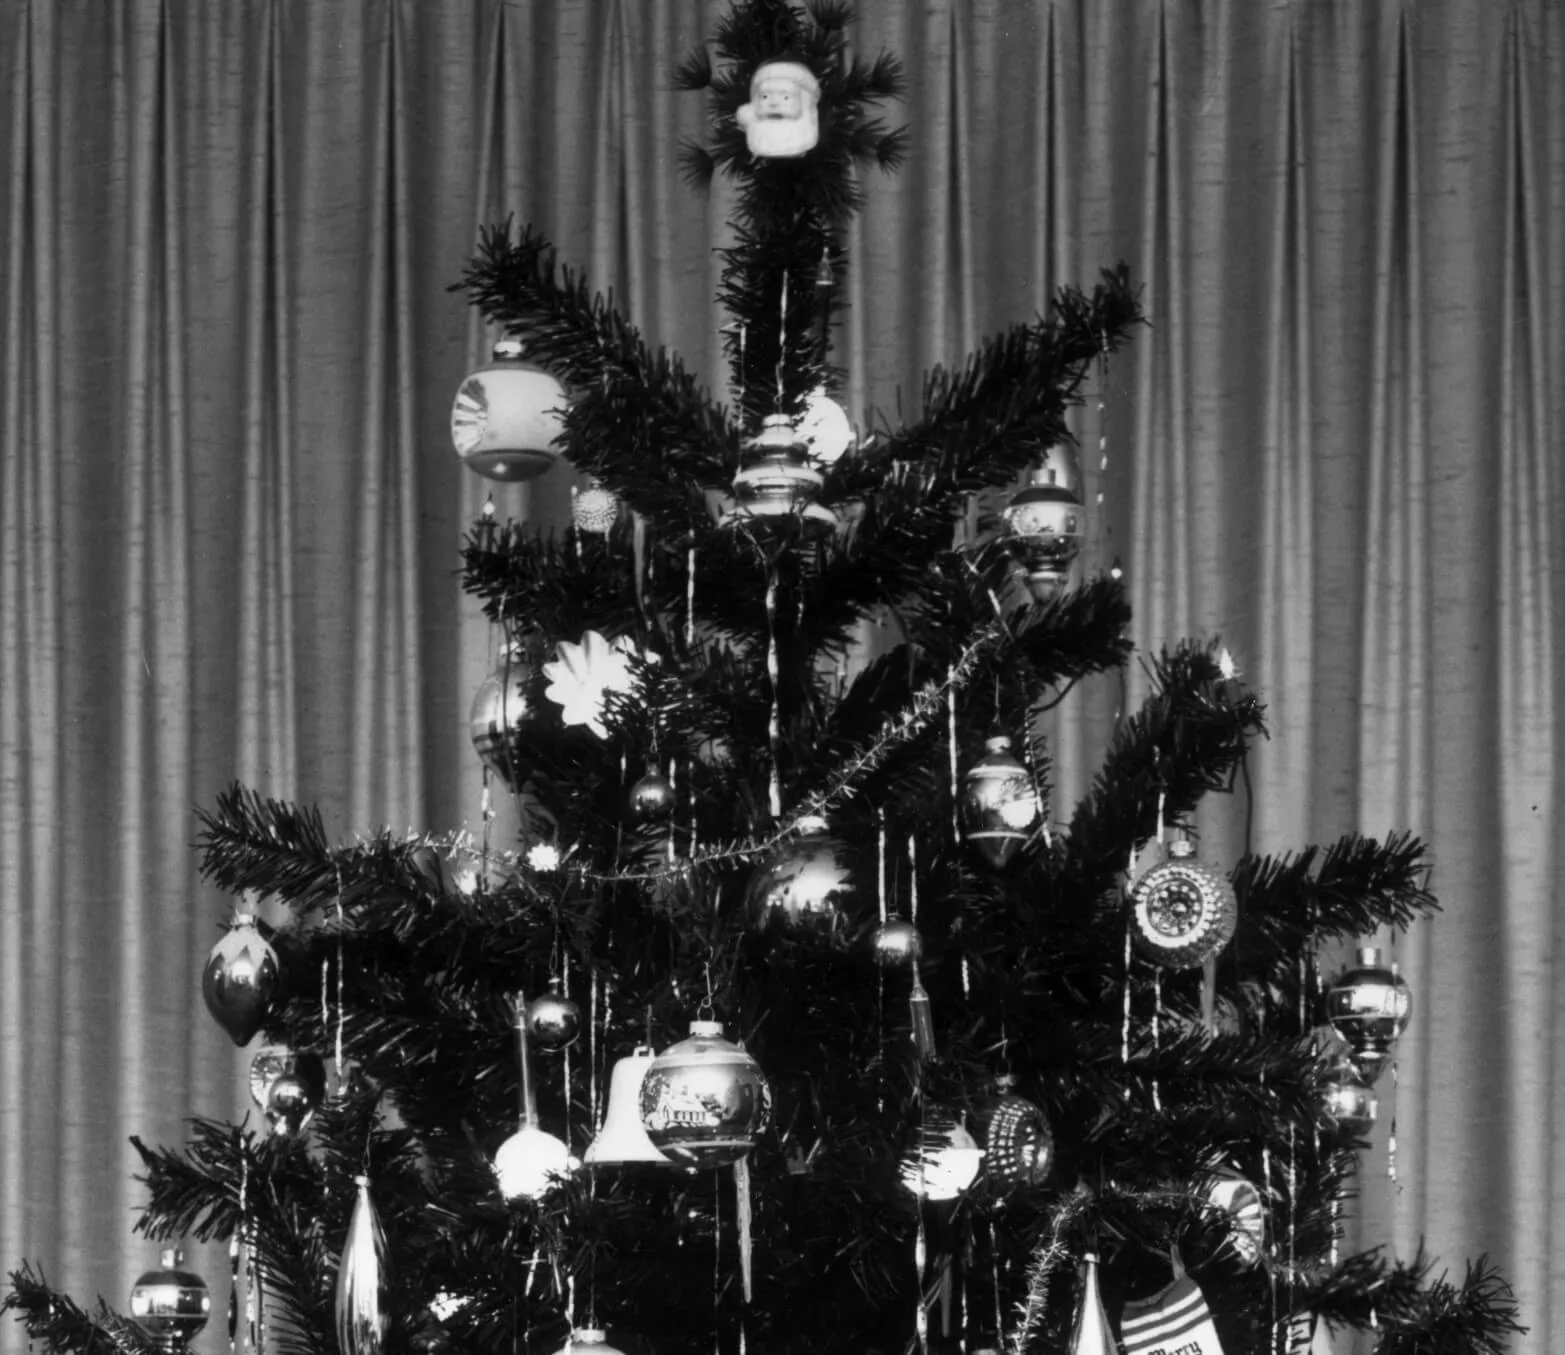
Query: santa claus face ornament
{"points": [[781, 120]]}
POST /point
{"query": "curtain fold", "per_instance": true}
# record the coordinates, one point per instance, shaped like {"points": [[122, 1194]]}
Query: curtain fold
{"points": [[230, 516]]}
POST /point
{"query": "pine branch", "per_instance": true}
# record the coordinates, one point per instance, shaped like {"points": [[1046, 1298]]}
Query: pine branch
{"points": [[55, 1320], [638, 421], [1186, 740]]}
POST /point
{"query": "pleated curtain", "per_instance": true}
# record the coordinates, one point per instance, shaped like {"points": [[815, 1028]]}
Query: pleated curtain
{"points": [[230, 516]]}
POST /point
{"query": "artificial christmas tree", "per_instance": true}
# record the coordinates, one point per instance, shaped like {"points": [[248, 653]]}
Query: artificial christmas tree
{"points": [[922, 1055]]}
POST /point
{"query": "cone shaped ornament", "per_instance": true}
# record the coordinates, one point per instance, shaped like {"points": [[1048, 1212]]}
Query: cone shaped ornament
{"points": [[623, 1140], [1091, 1335], [363, 1291]]}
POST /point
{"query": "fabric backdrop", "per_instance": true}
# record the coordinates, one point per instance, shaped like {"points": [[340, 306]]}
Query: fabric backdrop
{"points": [[229, 513]]}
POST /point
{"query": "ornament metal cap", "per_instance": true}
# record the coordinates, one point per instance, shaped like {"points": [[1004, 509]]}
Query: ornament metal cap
{"points": [[707, 1030]]}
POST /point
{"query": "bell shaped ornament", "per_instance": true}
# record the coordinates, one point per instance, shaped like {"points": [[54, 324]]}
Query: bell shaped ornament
{"points": [[507, 416], [623, 1141]]}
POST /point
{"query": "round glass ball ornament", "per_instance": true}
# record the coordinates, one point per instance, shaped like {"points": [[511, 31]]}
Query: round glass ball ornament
{"points": [[507, 416], [704, 1100], [291, 1102], [1182, 912], [824, 427], [1017, 1141], [804, 888], [1043, 525], [896, 944], [170, 1304], [943, 1159], [553, 1020], [504, 706], [999, 805], [1370, 1006], [531, 1163], [1350, 1100], [589, 1341], [273, 1060], [776, 482], [651, 798]]}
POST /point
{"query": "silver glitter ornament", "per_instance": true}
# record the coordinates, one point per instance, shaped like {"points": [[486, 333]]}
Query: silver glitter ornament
{"points": [[704, 1100], [594, 509], [170, 1304]]}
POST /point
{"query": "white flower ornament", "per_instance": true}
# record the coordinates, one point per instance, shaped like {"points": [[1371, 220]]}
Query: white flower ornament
{"points": [[584, 674]]}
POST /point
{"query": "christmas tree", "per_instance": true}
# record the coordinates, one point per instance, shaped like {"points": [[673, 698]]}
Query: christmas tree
{"points": [[942, 1067]]}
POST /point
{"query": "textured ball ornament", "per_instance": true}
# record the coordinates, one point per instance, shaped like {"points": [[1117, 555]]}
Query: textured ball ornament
{"points": [[594, 510], [776, 482], [1017, 1141], [1370, 1006], [1183, 912], [273, 1060], [704, 1100], [553, 1020], [504, 707], [169, 1304], [651, 798], [290, 1104], [1350, 1100], [242, 980], [1043, 524], [531, 1163], [999, 805], [804, 888], [896, 944], [507, 415], [943, 1160]]}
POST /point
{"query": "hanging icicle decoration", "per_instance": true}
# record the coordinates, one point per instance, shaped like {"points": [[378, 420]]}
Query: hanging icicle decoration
{"points": [[774, 675], [743, 1220], [565, 1055], [919, 1012], [920, 1263], [880, 970], [1157, 1011], [1124, 1025], [690, 599], [951, 745], [363, 1297], [236, 1252], [994, 1274], [341, 1071]]}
